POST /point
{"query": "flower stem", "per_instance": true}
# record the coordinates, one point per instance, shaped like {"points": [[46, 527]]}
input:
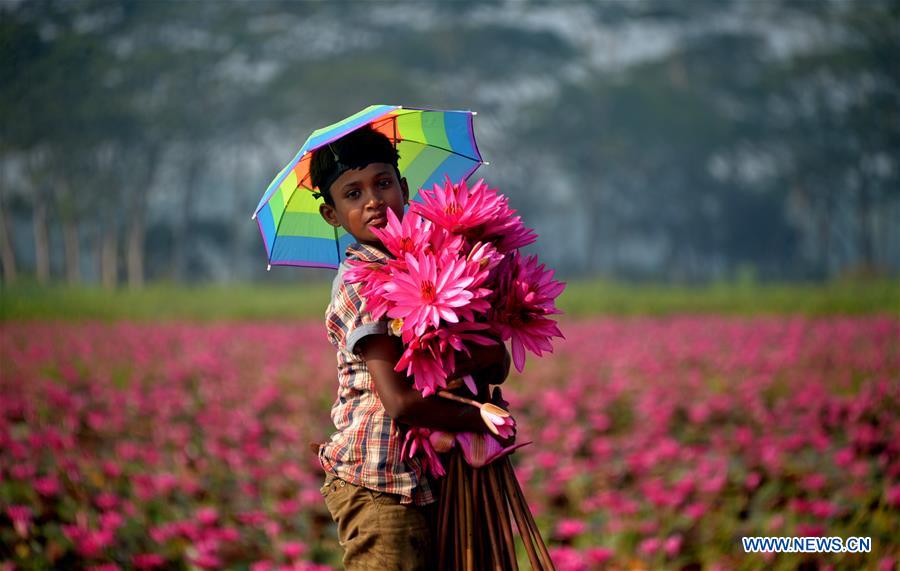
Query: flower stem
{"points": [[464, 400]]}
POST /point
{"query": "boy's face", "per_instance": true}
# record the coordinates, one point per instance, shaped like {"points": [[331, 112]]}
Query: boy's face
{"points": [[361, 198]]}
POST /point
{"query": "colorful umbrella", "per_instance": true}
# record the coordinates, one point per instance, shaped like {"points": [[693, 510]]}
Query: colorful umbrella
{"points": [[432, 144]]}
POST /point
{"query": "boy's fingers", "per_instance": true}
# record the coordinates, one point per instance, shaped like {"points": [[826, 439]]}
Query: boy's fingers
{"points": [[497, 398]]}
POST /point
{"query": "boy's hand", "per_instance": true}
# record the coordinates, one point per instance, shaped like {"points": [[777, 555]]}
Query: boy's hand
{"points": [[497, 399]]}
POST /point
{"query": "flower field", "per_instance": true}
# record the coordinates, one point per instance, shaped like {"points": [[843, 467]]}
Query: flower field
{"points": [[658, 442]]}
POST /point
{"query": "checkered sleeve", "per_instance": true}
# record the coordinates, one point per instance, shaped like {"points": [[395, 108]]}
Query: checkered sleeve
{"points": [[359, 321]]}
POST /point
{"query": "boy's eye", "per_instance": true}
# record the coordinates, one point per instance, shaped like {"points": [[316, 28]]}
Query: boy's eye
{"points": [[352, 194], [385, 182]]}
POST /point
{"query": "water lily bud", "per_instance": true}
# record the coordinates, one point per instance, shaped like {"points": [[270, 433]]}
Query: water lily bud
{"points": [[497, 420]]}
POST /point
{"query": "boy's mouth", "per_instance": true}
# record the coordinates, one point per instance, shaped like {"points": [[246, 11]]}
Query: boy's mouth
{"points": [[377, 221]]}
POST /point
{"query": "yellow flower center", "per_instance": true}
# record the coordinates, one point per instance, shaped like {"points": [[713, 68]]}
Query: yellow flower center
{"points": [[453, 209]]}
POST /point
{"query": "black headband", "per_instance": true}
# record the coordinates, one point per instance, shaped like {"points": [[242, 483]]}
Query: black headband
{"points": [[339, 168], [334, 173]]}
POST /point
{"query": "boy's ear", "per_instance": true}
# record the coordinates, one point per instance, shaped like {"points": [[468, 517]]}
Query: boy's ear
{"points": [[405, 188], [329, 214]]}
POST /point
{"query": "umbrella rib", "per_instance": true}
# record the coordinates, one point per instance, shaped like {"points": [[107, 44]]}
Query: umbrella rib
{"points": [[277, 227], [451, 151], [337, 246]]}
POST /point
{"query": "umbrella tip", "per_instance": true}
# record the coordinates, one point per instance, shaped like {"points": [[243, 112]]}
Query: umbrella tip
{"points": [[474, 113], [268, 267], [253, 217], [485, 162]]}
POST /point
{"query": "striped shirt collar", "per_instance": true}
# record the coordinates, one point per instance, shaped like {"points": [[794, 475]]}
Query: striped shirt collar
{"points": [[367, 253]]}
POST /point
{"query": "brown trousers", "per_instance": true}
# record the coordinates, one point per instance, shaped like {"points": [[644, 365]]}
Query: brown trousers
{"points": [[377, 531]]}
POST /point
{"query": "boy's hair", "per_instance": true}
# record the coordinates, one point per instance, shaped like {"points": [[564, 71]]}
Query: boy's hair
{"points": [[355, 150]]}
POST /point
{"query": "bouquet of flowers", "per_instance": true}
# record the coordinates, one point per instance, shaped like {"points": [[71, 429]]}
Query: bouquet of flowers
{"points": [[458, 278]]}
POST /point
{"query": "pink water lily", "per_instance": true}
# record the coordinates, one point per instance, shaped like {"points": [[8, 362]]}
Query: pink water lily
{"points": [[486, 258], [148, 560], [498, 420], [293, 549], [507, 231], [480, 449], [570, 527], [425, 363], [525, 298], [426, 293], [429, 359], [409, 236], [20, 517], [443, 243], [418, 440], [372, 276], [456, 335], [457, 208]]}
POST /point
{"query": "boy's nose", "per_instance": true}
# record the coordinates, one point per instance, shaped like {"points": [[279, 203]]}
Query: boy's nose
{"points": [[374, 198]]}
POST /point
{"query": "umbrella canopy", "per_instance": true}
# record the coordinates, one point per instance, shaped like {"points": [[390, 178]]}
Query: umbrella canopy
{"points": [[431, 143]]}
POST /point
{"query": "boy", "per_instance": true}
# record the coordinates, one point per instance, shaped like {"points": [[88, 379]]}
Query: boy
{"points": [[384, 506]]}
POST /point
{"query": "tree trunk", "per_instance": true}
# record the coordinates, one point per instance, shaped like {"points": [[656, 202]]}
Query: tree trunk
{"points": [[109, 258], [864, 226], [135, 250], [239, 226], [7, 252], [182, 228], [72, 246], [824, 216], [67, 211], [41, 242]]}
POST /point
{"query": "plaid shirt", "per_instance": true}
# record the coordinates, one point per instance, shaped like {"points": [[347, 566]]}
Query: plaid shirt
{"points": [[365, 450]]}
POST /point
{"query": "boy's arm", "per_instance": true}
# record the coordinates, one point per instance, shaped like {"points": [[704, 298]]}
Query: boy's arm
{"points": [[403, 402]]}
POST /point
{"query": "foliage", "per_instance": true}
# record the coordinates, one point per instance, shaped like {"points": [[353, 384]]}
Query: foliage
{"points": [[584, 298]]}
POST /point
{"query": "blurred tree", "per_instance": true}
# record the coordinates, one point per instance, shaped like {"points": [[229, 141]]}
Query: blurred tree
{"points": [[59, 113], [672, 141], [840, 106], [712, 144], [650, 134], [7, 250], [97, 91]]}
